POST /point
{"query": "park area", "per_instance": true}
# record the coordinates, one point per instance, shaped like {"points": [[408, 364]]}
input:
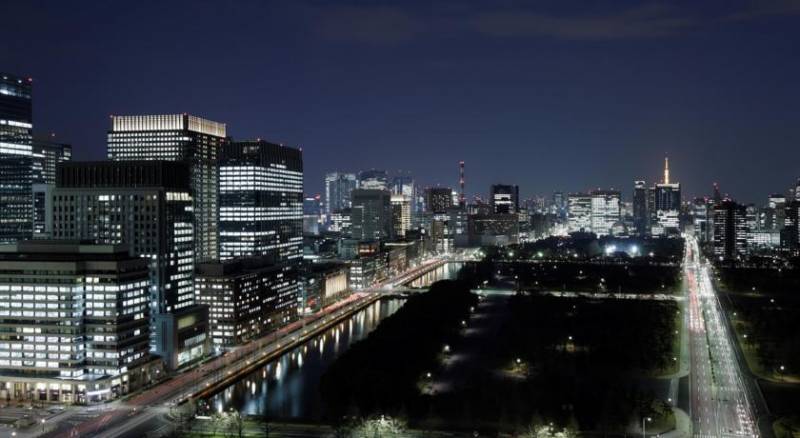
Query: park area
{"points": [[764, 307]]}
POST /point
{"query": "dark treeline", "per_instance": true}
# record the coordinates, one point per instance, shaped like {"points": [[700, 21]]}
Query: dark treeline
{"points": [[773, 330], [577, 276], [380, 374], [765, 280]]}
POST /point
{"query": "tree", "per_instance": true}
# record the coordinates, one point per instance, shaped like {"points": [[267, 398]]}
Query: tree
{"points": [[236, 424]]}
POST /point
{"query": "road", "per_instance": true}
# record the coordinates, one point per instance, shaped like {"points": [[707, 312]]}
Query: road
{"points": [[146, 410], [720, 400]]}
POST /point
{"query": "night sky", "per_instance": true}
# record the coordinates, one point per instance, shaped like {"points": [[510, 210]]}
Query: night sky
{"points": [[550, 95]]}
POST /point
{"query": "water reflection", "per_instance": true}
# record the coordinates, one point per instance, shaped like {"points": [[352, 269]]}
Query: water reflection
{"points": [[444, 272], [288, 386]]}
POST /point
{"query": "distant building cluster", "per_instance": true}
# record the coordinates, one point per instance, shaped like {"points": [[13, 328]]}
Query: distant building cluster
{"points": [[187, 242]]}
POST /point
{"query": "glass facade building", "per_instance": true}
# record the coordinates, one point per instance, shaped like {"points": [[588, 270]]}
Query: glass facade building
{"points": [[16, 158], [339, 187]]}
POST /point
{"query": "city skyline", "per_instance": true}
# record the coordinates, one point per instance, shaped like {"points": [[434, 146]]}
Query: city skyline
{"points": [[375, 96]]}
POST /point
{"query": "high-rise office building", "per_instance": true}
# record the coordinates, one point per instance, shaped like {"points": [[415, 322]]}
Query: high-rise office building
{"points": [[775, 213], [666, 204], [703, 220], [373, 180], [559, 207], [439, 199], [641, 217], [504, 198], [605, 211], [404, 185], [26, 163], [371, 215], [148, 205], [261, 201], [76, 322], [178, 137], [47, 154], [579, 212], [312, 214], [16, 159], [730, 230], [401, 214], [339, 187]]}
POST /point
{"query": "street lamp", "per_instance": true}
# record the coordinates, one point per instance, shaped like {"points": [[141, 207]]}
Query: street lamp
{"points": [[645, 420]]}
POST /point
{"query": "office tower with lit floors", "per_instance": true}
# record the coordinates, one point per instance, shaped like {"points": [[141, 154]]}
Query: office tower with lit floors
{"points": [[88, 339], [148, 205], [373, 179], [666, 205], [339, 187], [178, 137], [504, 198], [371, 215], [261, 201], [261, 217], [16, 158]]}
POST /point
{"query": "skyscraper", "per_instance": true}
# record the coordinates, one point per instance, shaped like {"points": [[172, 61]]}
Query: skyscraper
{"points": [[47, 154], [605, 211], [641, 217], [261, 201], [438, 199], [145, 204], [404, 185], [178, 137], [312, 214], [579, 212], [401, 214], [373, 179], [16, 159], [666, 204], [730, 230], [504, 198], [371, 215], [702, 217], [339, 187]]}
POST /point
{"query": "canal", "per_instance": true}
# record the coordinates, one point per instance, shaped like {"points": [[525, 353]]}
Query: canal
{"points": [[288, 387]]}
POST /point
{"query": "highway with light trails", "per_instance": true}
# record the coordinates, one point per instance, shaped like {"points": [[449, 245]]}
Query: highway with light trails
{"points": [[721, 403]]}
